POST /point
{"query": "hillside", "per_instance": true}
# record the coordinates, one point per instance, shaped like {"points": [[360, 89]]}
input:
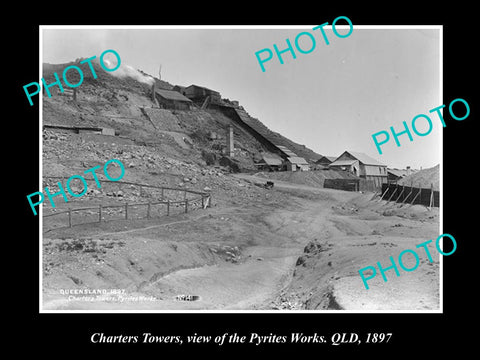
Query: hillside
{"points": [[278, 139], [158, 147], [424, 178], [123, 102]]}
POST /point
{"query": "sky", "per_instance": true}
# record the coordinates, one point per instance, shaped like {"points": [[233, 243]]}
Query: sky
{"points": [[331, 99]]}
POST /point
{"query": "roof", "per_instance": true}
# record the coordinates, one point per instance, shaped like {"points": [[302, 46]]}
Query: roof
{"points": [[272, 160], [172, 95], [297, 160], [325, 157], [286, 150], [202, 87], [263, 131], [364, 158], [272, 138], [180, 87], [343, 162], [396, 172], [401, 172]]}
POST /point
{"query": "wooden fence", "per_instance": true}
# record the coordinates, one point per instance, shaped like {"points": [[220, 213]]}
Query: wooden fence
{"points": [[350, 184], [152, 209], [410, 195]]}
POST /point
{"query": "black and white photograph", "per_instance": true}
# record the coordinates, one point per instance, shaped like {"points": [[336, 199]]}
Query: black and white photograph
{"points": [[202, 179], [259, 169]]}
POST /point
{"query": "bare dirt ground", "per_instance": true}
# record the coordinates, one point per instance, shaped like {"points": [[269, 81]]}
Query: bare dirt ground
{"points": [[300, 248]]}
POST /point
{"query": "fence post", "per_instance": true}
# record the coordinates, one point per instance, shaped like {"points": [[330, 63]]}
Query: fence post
{"points": [[385, 193], [417, 195], [126, 211], [400, 195], [202, 201], [168, 207], [69, 217], [100, 213], [162, 192], [148, 210], [431, 195], [185, 194], [186, 205], [396, 188], [408, 195]]}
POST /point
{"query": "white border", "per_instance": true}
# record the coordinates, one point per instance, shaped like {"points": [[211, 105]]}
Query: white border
{"points": [[239, 27], [40, 174], [440, 209]]}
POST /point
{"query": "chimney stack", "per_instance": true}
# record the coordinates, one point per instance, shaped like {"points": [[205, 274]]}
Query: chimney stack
{"points": [[230, 145], [153, 90], [408, 170]]}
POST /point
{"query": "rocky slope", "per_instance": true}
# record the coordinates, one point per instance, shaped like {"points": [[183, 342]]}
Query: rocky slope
{"points": [[124, 104]]}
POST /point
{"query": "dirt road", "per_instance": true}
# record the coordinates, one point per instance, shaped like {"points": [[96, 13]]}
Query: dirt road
{"points": [[250, 257]]}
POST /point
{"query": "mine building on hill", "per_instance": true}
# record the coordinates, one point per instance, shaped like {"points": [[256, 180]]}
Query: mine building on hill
{"points": [[297, 163], [361, 165], [280, 158], [290, 160], [199, 94], [293, 162], [169, 99], [180, 89]]}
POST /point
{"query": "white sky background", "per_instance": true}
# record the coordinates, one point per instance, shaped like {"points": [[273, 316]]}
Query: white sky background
{"points": [[331, 100]]}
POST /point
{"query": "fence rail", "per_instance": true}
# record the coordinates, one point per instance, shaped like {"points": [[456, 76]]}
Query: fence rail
{"points": [[204, 201]]}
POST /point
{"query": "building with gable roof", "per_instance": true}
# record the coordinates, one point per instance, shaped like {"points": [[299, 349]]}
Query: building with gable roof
{"points": [[170, 99], [361, 165]]}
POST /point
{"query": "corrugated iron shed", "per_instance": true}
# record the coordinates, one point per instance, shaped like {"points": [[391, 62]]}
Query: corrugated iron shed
{"points": [[271, 160], [297, 160]]}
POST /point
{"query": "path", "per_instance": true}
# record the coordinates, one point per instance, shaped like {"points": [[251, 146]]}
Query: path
{"points": [[279, 237]]}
